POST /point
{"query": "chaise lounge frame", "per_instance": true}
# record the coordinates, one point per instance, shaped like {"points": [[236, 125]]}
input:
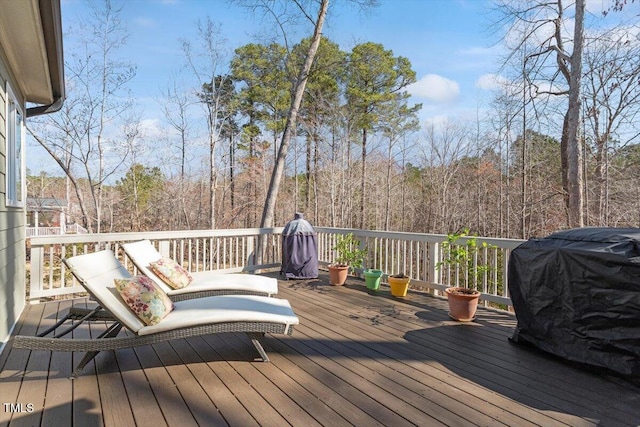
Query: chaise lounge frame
{"points": [[108, 340]]}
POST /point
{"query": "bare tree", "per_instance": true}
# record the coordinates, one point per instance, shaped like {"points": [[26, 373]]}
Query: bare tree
{"points": [[445, 145], [554, 64], [84, 139], [205, 63], [176, 108], [612, 105]]}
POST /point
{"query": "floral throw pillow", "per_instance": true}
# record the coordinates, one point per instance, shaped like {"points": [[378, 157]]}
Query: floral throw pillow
{"points": [[147, 301], [172, 273]]}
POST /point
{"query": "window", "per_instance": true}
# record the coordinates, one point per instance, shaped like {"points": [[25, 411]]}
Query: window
{"points": [[15, 151]]}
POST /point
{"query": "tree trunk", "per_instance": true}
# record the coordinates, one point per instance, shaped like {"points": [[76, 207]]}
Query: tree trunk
{"points": [[314, 176], [573, 143], [387, 214], [212, 180], [363, 179], [232, 164], [276, 176], [307, 202]]}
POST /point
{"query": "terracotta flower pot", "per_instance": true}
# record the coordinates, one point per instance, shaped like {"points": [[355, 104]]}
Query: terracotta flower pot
{"points": [[463, 303], [338, 274], [399, 286]]}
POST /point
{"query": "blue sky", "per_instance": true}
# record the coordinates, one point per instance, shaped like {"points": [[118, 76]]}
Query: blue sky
{"points": [[450, 44], [447, 41]]}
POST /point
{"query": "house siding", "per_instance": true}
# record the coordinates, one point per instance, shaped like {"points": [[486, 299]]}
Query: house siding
{"points": [[12, 231]]}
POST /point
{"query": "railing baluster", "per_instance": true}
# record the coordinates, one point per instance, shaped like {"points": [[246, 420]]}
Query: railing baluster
{"points": [[50, 268]]}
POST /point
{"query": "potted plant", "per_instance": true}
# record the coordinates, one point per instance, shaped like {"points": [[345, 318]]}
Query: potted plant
{"points": [[399, 284], [462, 261], [348, 256]]}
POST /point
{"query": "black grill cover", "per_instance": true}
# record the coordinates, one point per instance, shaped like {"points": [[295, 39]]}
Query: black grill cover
{"points": [[576, 294], [299, 250]]}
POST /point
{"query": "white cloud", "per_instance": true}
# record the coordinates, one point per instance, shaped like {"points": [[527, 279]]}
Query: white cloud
{"points": [[490, 81], [435, 88], [479, 51], [152, 129], [145, 22], [437, 120]]}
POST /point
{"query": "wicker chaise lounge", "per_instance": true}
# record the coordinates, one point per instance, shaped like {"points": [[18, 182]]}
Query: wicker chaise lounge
{"points": [[250, 314], [205, 283]]}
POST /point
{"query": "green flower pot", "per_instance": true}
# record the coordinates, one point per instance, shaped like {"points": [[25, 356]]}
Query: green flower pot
{"points": [[372, 279]]}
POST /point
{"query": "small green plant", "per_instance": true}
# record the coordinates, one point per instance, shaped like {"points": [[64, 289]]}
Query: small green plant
{"points": [[463, 259], [348, 251]]}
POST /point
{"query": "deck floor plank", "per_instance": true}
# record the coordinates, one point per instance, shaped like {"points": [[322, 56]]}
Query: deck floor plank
{"points": [[400, 354], [58, 406], [34, 385], [540, 379], [267, 387], [224, 403], [355, 359], [379, 350], [259, 409], [355, 388], [194, 396], [440, 396], [87, 404], [410, 404], [453, 349], [170, 401], [13, 373], [295, 392], [116, 408], [324, 384], [145, 407], [295, 365]]}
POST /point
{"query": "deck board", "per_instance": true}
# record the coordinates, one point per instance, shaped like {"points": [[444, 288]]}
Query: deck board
{"points": [[459, 347], [58, 410], [434, 395], [87, 405], [143, 402], [355, 359]]}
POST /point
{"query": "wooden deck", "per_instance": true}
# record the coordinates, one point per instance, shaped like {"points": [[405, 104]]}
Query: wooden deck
{"points": [[355, 359]]}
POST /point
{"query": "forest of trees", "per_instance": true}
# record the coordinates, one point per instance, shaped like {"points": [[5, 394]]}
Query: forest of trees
{"points": [[359, 157]]}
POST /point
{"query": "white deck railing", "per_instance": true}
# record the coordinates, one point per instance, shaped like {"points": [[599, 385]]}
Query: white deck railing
{"points": [[55, 231], [413, 254]]}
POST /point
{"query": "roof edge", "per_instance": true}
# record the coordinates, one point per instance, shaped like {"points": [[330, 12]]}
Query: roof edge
{"points": [[51, 18]]}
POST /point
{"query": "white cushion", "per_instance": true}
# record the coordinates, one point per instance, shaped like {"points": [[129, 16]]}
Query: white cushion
{"points": [[210, 280], [97, 272], [143, 253], [222, 309]]}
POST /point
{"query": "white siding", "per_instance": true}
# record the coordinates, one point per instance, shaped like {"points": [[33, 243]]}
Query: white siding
{"points": [[12, 232]]}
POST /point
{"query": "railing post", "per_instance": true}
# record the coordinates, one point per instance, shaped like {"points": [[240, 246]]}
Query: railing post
{"points": [[434, 255], [250, 251], [36, 273], [362, 245]]}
